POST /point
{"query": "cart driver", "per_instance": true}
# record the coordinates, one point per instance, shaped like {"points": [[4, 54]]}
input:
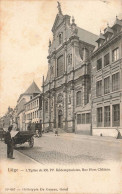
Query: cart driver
{"points": [[9, 142]]}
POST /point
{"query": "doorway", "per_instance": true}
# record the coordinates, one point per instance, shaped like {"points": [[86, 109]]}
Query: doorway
{"points": [[60, 119]]}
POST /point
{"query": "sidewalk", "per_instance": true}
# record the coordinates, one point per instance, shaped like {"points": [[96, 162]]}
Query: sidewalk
{"points": [[80, 137], [19, 157]]}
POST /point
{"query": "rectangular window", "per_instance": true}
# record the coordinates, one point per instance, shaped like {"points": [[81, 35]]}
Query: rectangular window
{"points": [[99, 64], [106, 85], [107, 116], [99, 117], [115, 82], [88, 118], [99, 88], [78, 118], [116, 115], [83, 118], [115, 54], [106, 60]]}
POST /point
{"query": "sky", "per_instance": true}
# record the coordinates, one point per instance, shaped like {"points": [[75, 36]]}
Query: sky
{"points": [[25, 30]]}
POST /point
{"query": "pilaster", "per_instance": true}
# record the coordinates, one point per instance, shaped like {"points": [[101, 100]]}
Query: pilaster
{"points": [[72, 106], [65, 58], [65, 106], [54, 107]]}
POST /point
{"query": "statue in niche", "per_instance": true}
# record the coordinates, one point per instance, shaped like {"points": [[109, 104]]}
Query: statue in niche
{"points": [[60, 98]]}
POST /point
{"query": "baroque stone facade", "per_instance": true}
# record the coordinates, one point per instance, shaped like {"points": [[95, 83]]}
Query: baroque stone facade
{"points": [[66, 89]]}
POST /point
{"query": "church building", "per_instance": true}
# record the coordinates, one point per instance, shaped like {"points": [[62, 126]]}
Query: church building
{"points": [[67, 87]]}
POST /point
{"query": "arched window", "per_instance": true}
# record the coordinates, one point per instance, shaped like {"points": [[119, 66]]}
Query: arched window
{"points": [[69, 59], [60, 38], [60, 66], [78, 98]]}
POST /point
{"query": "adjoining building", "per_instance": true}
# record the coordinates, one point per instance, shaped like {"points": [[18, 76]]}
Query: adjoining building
{"points": [[29, 94], [33, 111], [7, 119], [67, 87], [107, 82]]}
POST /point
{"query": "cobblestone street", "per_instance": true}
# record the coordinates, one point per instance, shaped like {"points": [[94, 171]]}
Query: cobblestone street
{"points": [[72, 148]]}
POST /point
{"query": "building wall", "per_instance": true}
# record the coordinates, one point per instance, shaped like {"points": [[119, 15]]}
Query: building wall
{"points": [[21, 121], [33, 111], [112, 97], [21, 111]]}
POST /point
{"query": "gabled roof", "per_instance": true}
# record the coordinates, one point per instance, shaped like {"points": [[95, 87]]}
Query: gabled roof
{"points": [[58, 21], [33, 88], [87, 36]]}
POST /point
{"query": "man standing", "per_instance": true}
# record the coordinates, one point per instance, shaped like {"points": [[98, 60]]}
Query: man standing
{"points": [[9, 142]]}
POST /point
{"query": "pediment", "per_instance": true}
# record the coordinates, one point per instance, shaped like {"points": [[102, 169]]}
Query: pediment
{"points": [[58, 21]]}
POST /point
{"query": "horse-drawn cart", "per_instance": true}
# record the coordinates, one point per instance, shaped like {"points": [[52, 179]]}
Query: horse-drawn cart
{"points": [[23, 137]]}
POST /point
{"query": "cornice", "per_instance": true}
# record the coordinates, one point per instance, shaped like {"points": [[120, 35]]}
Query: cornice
{"points": [[66, 74]]}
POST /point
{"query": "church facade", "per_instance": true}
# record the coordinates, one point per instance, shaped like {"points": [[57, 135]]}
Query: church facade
{"points": [[67, 87]]}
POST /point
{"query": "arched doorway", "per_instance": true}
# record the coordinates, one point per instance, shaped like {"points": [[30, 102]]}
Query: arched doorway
{"points": [[60, 119]]}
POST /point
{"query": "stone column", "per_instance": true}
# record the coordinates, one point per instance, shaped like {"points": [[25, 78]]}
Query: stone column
{"points": [[65, 107], [73, 56], [75, 49], [55, 67], [65, 58], [54, 108], [49, 108], [72, 106], [54, 59]]}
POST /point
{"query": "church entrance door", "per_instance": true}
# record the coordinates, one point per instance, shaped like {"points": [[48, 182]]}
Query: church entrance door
{"points": [[60, 119]]}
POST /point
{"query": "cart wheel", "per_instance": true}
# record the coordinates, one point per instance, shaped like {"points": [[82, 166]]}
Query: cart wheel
{"points": [[14, 146], [31, 142], [40, 134]]}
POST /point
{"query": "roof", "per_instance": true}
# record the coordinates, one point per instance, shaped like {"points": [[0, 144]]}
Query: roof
{"points": [[117, 22], [33, 88], [108, 30], [87, 36], [86, 108], [101, 36]]}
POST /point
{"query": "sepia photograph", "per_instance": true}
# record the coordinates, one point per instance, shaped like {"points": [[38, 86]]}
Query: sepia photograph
{"points": [[60, 96]]}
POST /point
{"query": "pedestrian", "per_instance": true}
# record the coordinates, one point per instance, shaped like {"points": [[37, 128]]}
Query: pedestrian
{"points": [[56, 132], [9, 142], [37, 133], [119, 134]]}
